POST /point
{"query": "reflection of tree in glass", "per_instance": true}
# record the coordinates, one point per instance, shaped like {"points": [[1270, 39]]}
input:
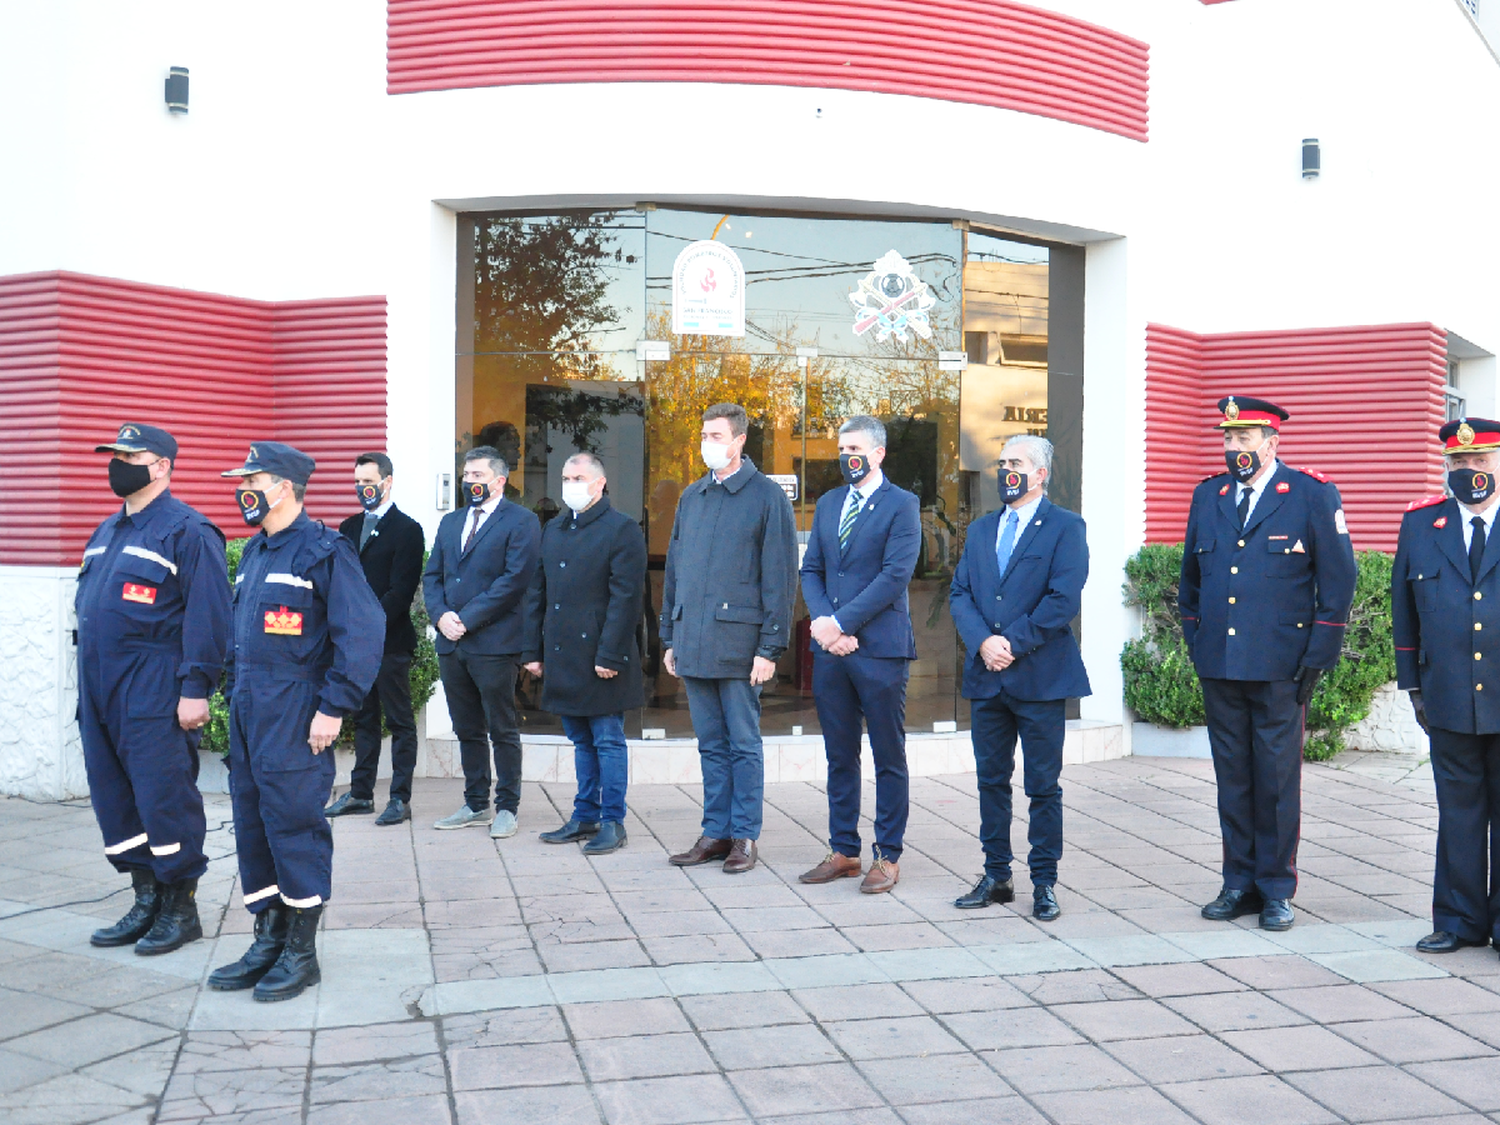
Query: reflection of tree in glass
{"points": [[579, 414], [540, 287]]}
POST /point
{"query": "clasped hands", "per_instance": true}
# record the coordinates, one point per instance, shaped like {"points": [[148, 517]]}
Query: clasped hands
{"points": [[452, 626], [831, 639], [996, 654]]}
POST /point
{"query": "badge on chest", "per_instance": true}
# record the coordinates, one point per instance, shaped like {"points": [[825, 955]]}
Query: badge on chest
{"points": [[146, 595], [283, 622]]}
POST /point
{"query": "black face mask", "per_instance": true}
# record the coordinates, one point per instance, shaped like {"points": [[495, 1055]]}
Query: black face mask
{"points": [[1013, 485], [855, 467], [126, 479], [1471, 486], [477, 492], [368, 496], [1243, 463], [253, 505]]}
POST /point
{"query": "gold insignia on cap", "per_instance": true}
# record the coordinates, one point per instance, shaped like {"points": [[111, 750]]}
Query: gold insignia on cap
{"points": [[1232, 411], [1465, 434], [129, 432]]}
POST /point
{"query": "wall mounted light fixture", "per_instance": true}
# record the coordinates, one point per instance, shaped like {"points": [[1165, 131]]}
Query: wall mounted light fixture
{"points": [[1312, 158], [177, 90]]}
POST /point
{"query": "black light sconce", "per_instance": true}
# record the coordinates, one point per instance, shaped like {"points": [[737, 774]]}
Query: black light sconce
{"points": [[1312, 158], [177, 90]]}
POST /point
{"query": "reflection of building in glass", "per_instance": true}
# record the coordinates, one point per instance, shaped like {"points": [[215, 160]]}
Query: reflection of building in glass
{"points": [[552, 309]]}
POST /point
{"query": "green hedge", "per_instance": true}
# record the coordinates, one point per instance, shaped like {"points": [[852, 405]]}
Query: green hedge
{"points": [[1161, 686], [424, 669]]}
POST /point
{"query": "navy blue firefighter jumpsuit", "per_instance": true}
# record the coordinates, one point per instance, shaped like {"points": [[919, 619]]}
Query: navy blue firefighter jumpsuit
{"points": [[153, 627]]}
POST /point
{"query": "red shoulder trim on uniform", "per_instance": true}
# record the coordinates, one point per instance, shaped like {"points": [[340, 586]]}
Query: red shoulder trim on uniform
{"points": [[1315, 474], [1425, 502]]}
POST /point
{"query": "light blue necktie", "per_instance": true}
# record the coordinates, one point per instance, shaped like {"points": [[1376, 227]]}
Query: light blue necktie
{"points": [[1007, 542]]}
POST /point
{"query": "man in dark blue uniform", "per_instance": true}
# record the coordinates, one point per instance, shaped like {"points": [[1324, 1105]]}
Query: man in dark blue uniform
{"points": [[153, 626], [1267, 580], [1445, 608], [308, 639]]}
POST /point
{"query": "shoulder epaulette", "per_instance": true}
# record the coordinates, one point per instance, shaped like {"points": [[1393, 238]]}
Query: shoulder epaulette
{"points": [[1315, 474], [1425, 502]]}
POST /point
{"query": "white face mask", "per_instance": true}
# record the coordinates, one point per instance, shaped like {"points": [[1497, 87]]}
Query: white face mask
{"points": [[715, 455], [576, 494]]}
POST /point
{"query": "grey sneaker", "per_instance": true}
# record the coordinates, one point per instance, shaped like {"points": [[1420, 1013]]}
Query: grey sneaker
{"points": [[464, 817], [504, 825]]}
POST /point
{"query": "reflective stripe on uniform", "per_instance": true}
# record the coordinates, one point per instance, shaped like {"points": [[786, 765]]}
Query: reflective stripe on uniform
{"points": [[143, 553], [95, 551], [267, 892], [288, 580], [170, 849], [133, 842], [301, 903]]}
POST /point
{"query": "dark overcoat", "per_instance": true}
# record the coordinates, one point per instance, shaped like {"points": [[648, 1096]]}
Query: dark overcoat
{"points": [[585, 608], [731, 577]]}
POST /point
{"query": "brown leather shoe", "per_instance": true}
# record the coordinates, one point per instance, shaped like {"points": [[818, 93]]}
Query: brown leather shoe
{"points": [[882, 876], [742, 857], [706, 850], [835, 865]]}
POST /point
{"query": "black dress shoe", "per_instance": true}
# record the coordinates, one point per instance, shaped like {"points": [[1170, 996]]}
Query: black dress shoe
{"points": [[1442, 941], [1044, 906], [395, 812], [347, 804], [986, 891], [1233, 904], [569, 833], [609, 838], [1276, 915]]}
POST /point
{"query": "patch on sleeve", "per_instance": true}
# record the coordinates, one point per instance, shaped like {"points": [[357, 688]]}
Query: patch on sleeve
{"points": [[284, 622], [1340, 524], [146, 595]]}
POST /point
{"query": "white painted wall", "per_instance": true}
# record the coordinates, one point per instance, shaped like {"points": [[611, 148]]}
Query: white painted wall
{"points": [[295, 175]]}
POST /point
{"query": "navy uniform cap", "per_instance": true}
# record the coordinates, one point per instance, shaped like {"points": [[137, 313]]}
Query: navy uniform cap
{"points": [[1242, 410], [134, 437], [1470, 435], [277, 459]]}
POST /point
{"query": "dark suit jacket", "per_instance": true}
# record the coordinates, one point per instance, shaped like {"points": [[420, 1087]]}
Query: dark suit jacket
{"points": [[485, 585], [392, 559], [864, 585], [1032, 605], [1436, 612], [1258, 602]]}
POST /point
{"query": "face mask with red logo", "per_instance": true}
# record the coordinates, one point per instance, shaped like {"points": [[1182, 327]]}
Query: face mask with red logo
{"points": [[368, 496], [855, 467], [1471, 486], [1013, 485]]}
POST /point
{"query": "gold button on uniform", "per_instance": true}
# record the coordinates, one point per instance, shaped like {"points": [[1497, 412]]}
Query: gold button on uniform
{"points": [[1478, 656], [1242, 542], [1231, 601], [1478, 597], [1478, 687], [1477, 626], [1234, 570], [1231, 632]]}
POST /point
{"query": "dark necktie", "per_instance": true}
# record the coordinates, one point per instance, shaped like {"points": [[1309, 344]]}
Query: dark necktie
{"points": [[474, 529], [1476, 547], [371, 519], [1244, 506]]}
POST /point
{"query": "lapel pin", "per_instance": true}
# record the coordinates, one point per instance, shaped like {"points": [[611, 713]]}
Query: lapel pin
{"points": [[1283, 487]]}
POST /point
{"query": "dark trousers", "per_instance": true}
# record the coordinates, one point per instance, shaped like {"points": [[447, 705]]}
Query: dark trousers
{"points": [[848, 689], [1466, 896], [481, 693], [142, 766], [391, 695], [1042, 725], [726, 719], [1255, 733]]}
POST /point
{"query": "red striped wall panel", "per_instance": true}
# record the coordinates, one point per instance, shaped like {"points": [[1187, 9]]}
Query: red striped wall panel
{"points": [[79, 355], [1366, 404], [986, 52]]}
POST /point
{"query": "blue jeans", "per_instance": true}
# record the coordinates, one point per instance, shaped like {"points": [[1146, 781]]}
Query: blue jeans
{"points": [[726, 719], [603, 765], [1042, 726]]}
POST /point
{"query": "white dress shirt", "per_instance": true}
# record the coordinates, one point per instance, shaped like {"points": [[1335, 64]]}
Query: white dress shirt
{"points": [[1023, 516], [1255, 489], [865, 489], [1488, 516], [477, 516]]}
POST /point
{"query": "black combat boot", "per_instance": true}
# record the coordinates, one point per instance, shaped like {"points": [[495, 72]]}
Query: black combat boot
{"points": [[270, 938], [297, 967], [176, 923], [138, 919]]}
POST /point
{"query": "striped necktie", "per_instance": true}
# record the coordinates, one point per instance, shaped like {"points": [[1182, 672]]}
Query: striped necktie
{"points": [[851, 513]]}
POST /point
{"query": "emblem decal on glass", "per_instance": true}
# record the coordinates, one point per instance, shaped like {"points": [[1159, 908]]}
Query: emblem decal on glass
{"points": [[892, 299]]}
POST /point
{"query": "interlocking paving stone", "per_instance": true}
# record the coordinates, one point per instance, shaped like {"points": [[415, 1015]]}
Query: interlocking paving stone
{"points": [[464, 978]]}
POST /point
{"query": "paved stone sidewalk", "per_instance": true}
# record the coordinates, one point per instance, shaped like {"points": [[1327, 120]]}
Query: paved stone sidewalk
{"points": [[471, 983]]}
